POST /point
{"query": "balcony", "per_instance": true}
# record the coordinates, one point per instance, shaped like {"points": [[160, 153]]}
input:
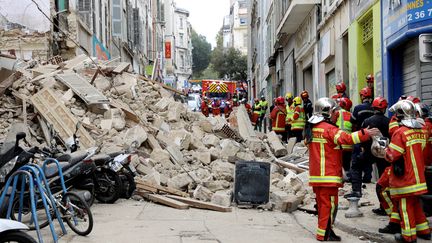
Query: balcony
{"points": [[296, 12]]}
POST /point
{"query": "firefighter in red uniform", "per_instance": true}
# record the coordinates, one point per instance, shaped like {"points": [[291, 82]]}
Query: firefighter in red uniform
{"points": [[228, 109], [340, 88], [425, 114], [326, 162], [247, 106], [216, 107], [204, 107], [256, 113], [278, 115], [407, 176]]}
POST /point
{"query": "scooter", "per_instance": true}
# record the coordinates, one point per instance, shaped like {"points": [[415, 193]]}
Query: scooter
{"points": [[13, 231]]}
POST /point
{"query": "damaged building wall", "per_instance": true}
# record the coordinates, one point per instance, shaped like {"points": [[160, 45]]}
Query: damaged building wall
{"points": [[24, 30]]}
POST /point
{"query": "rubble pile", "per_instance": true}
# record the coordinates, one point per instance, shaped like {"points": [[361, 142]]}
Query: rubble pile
{"points": [[175, 148]]}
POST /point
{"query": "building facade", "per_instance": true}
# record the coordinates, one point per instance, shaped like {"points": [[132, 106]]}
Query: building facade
{"points": [[235, 27]]}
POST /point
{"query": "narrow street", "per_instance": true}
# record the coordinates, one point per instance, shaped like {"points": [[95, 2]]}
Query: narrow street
{"points": [[134, 221]]}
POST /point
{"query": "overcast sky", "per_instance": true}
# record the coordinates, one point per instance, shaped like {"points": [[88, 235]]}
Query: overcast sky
{"points": [[206, 16]]}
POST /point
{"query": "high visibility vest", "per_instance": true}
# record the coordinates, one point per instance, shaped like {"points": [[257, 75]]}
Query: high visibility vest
{"points": [[344, 123], [300, 122], [290, 113], [264, 106], [257, 109]]}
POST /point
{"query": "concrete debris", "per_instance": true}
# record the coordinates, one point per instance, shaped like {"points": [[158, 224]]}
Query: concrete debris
{"points": [[179, 152]]}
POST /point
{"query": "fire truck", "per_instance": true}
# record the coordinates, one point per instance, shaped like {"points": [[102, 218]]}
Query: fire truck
{"points": [[218, 89]]}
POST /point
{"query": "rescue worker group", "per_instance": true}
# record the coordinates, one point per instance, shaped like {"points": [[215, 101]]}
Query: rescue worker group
{"points": [[340, 144]]}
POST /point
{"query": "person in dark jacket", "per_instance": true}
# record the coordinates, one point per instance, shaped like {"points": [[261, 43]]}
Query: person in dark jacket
{"points": [[361, 112], [380, 121]]}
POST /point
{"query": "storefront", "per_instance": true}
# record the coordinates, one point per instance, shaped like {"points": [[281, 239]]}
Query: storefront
{"points": [[407, 70]]}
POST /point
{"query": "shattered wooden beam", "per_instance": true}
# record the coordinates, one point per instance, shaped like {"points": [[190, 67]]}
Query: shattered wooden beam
{"points": [[199, 204], [167, 201], [9, 81], [121, 67], [289, 166], [162, 188]]}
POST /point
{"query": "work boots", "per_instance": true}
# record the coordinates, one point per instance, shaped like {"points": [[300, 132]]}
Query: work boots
{"points": [[332, 237], [399, 238], [391, 228], [379, 211]]}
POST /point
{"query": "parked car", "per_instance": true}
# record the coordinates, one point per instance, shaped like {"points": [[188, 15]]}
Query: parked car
{"points": [[194, 102]]}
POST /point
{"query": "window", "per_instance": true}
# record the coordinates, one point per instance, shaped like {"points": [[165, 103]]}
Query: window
{"points": [[84, 11], [242, 21], [181, 23], [116, 18], [367, 28], [181, 42], [136, 27], [182, 60]]}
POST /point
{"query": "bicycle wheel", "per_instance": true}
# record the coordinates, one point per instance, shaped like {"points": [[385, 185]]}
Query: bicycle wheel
{"points": [[26, 214], [16, 236], [77, 214]]}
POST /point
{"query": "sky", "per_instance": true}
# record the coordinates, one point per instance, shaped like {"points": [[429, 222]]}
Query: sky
{"points": [[206, 16]]}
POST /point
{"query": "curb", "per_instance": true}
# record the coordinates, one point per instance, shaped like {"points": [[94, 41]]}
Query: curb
{"points": [[371, 236]]}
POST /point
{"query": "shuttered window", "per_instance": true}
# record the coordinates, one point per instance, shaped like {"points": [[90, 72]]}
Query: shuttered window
{"points": [[84, 11], [136, 27], [367, 28], [116, 18]]}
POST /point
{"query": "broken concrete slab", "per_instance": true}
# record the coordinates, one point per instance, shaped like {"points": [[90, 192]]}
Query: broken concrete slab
{"points": [[203, 157], [223, 170], [244, 125], [278, 198], [278, 149], [291, 203], [182, 138], [123, 66], [291, 144], [222, 198], [175, 154], [161, 156], [135, 137], [229, 148], [153, 178], [162, 105]]}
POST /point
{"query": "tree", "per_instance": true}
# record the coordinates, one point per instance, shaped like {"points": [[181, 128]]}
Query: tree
{"points": [[228, 62], [201, 53]]}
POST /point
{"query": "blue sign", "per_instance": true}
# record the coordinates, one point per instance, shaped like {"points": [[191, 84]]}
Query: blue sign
{"points": [[398, 14]]}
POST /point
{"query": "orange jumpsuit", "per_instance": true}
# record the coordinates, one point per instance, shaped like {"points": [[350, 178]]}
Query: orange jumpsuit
{"points": [[325, 170], [409, 144]]}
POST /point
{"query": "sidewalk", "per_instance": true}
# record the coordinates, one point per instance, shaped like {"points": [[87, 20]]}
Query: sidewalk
{"points": [[365, 227]]}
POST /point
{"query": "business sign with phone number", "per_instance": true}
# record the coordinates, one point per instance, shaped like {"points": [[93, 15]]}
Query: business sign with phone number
{"points": [[399, 13]]}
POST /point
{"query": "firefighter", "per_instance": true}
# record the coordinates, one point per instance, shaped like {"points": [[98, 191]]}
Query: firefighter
{"points": [[204, 107], [290, 113], [380, 121], [424, 113], [394, 125], [271, 109], [228, 109], [256, 112], [264, 106], [326, 163], [407, 176], [341, 89], [216, 107], [344, 123], [298, 121], [360, 113], [307, 104], [370, 83], [278, 116], [248, 107]]}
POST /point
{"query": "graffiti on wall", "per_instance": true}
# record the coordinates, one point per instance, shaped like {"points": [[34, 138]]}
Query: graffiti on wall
{"points": [[99, 50]]}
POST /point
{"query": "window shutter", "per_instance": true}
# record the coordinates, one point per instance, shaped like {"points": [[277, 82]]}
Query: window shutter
{"points": [[84, 10], [116, 18], [136, 27]]}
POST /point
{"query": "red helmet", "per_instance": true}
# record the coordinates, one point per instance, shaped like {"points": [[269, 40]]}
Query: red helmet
{"points": [[379, 103], [280, 100], [366, 92], [370, 78], [341, 87], [345, 103], [415, 100], [304, 94]]}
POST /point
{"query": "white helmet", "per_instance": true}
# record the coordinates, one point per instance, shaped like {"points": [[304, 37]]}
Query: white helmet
{"points": [[324, 109], [405, 111]]}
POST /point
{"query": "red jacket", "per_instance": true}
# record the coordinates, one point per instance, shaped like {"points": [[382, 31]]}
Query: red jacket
{"points": [[408, 144], [325, 153], [428, 158], [393, 125], [278, 116]]}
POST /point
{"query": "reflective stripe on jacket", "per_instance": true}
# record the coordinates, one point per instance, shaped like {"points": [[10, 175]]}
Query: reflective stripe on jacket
{"points": [[257, 109], [264, 106], [290, 113], [344, 123], [410, 144], [325, 160], [299, 121], [278, 118]]}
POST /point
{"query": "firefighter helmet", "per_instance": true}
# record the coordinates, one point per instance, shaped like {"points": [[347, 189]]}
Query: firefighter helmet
{"points": [[289, 95], [324, 109], [415, 100], [262, 97], [244, 101], [405, 111], [345, 103], [280, 100], [297, 101], [341, 87], [379, 103], [304, 94], [423, 110], [370, 78], [366, 92]]}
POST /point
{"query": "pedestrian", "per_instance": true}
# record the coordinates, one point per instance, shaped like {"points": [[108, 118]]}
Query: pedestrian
{"points": [[407, 176], [298, 122], [271, 109], [358, 166], [290, 113], [308, 110], [256, 113], [326, 163], [344, 123], [340, 89], [204, 107], [264, 106], [380, 121], [278, 116]]}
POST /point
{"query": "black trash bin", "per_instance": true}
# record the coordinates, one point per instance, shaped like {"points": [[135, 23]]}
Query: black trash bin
{"points": [[252, 183]]}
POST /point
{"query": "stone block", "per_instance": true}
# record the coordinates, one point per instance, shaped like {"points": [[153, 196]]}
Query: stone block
{"points": [[291, 203], [229, 148], [211, 140], [223, 170], [203, 157], [278, 198], [222, 198], [135, 136], [202, 193], [180, 181], [278, 149]]}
